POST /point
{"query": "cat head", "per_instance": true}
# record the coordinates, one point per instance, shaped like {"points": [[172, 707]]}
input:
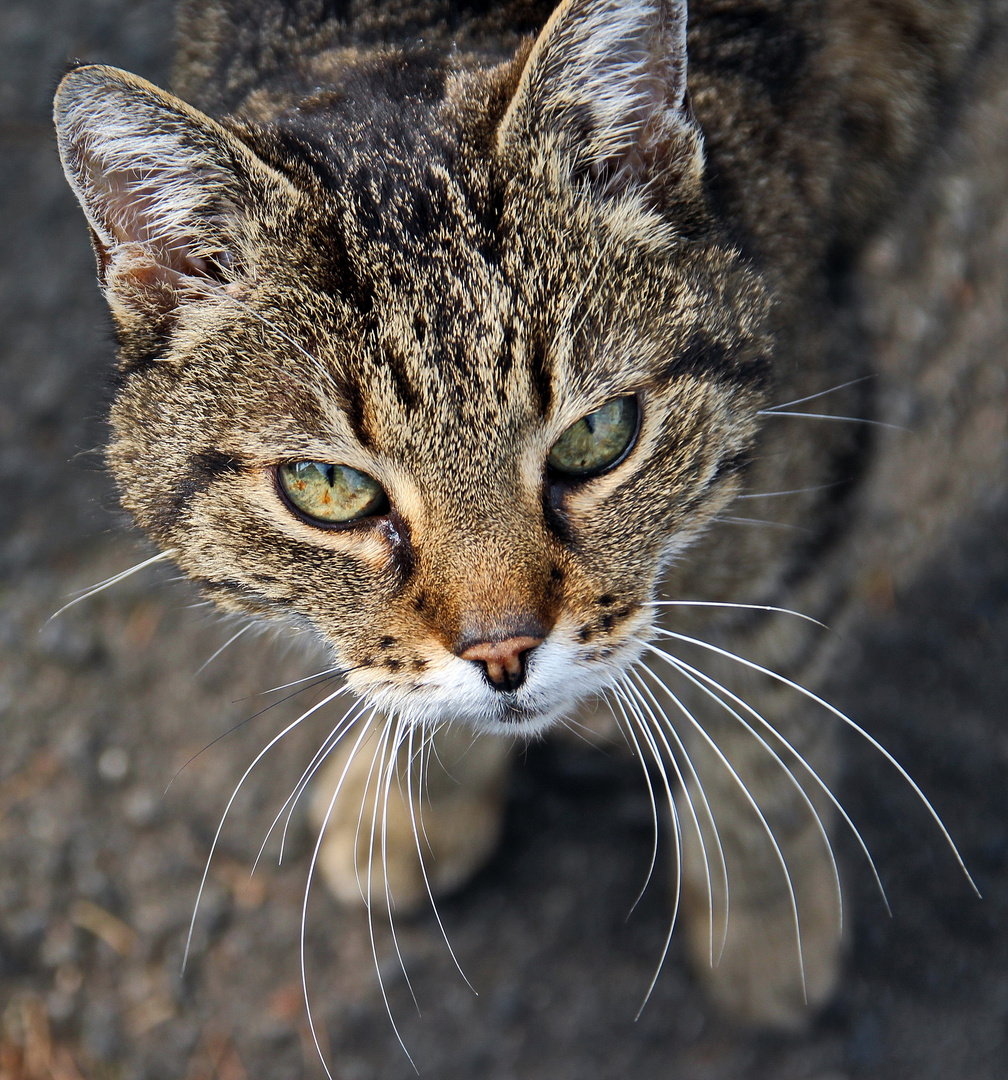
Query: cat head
{"points": [[444, 362]]}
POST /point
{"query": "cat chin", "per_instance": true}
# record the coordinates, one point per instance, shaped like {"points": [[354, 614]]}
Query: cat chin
{"points": [[513, 720], [507, 719]]}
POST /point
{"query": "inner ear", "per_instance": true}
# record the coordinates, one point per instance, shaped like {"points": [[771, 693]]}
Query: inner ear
{"points": [[164, 187], [140, 230], [607, 81]]}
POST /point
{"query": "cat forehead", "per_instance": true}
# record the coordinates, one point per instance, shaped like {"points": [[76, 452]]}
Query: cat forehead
{"points": [[387, 153], [443, 314], [439, 331], [410, 192]]}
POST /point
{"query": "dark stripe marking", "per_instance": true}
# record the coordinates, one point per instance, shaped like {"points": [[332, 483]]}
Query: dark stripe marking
{"points": [[202, 469], [704, 358], [353, 408], [540, 375], [401, 379], [553, 514]]}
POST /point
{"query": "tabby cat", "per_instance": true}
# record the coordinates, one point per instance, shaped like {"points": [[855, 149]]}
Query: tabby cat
{"points": [[482, 341]]}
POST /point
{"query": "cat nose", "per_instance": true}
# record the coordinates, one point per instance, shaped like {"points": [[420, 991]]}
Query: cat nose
{"points": [[503, 661]]}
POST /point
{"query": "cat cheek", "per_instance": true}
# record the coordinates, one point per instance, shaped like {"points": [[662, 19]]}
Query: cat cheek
{"points": [[350, 549]]}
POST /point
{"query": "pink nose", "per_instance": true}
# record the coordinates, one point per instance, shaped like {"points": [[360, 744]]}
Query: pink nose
{"points": [[504, 661]]}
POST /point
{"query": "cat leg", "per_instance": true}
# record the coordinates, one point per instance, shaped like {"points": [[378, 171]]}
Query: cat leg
{"points": [[768, 875], [450, 808]]}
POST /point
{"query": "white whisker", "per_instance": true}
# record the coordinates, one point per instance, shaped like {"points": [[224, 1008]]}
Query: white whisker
{"points": [[821, 393], [352, 716], [641, 687], [688, 670], [754, 805], [870, 739], [423, 785], [328, 745], [581, 732], [731, 520], [379, 761], [385, 783], [234, 794], [230, 641], [437, 757], [632, 741], [114, 580], [740, 607], [793, 491], [297, 682], [649, 738], [365, 887], [428, 738], [364, 732], [830, 416]]}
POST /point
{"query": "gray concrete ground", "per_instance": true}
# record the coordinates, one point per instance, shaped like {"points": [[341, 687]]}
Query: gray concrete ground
{"points": [[102, 707]]}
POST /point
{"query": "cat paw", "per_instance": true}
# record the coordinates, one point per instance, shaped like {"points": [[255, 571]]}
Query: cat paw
{"points": [[374, 857], [760, 978]]}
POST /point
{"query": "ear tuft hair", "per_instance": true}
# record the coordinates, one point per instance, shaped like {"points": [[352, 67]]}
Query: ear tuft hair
{"points": [[609, 77], [156, 179]]}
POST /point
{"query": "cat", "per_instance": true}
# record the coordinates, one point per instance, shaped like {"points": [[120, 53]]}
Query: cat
{"points": [[511, 352]]}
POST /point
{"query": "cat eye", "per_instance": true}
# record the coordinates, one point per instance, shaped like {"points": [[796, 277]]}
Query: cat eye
{"points": [[331, 494], [597, 441]]}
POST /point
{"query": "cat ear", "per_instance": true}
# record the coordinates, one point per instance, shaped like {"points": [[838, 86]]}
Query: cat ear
{"points": [[161, 184], [608, 78]]}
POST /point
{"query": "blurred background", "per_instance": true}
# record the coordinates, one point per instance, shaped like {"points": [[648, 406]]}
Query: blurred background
{"points": [[112, 781]]}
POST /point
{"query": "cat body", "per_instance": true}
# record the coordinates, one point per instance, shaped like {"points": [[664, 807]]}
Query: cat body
{"points": [[447, 250]]}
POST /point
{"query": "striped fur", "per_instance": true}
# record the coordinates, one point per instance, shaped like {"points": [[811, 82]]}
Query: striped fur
{"points": [[422, 241]]}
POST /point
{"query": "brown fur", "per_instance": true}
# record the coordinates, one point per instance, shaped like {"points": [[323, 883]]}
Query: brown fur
{"points": [[427, 264]]}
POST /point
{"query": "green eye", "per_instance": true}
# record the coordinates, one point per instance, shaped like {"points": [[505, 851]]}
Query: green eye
{"points": [[597, 441], [331, 494]]}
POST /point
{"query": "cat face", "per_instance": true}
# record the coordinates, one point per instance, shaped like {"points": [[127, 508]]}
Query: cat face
{"points": [[446, 373]]}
